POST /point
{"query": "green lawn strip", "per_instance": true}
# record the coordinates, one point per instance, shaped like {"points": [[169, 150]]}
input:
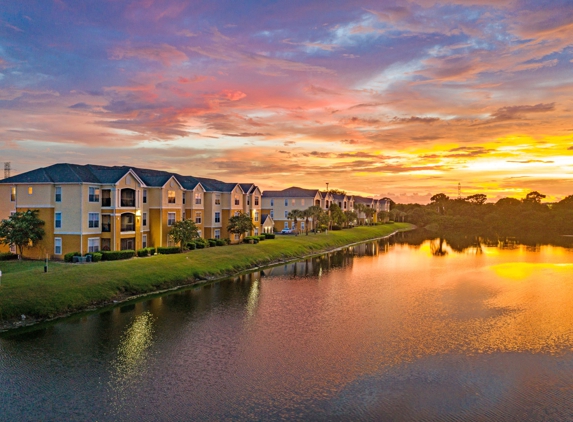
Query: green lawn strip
{"points": [[26, 289]]}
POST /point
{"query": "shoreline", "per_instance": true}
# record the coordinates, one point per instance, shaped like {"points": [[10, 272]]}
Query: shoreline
{"points": [[119, 298]]}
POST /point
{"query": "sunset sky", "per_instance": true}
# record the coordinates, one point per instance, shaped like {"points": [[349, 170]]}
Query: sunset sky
{"points": [[399, 99]]}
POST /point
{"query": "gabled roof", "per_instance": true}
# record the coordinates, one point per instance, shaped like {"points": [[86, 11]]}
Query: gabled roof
{"points": [[248, 187], [213, 185], [292, 192], [264, 218], [362, 200], [339, 197], [188, 182]]}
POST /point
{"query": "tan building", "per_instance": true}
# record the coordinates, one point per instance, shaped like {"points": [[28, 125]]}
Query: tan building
{"points": [[278, 204]]}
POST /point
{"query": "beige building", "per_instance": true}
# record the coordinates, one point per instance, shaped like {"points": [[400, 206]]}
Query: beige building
{"points": [[278, 204]]}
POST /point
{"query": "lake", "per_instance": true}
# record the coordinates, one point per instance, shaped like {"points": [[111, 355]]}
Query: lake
{"points": [[399, 329]]}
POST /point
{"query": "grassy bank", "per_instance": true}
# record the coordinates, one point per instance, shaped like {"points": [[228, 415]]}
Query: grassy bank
{"points": [[27, 290]]}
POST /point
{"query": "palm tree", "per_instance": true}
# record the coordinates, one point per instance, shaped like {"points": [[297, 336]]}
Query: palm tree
{"points": [[295, 215], [369, 214], [313, 212], [360, 209]]}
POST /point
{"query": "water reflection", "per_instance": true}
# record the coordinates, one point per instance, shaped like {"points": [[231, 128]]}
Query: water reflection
{"points": [[404, 328]]}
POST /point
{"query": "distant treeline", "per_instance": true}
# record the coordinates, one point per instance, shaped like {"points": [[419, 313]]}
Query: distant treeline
{"points": [[527, 219]]}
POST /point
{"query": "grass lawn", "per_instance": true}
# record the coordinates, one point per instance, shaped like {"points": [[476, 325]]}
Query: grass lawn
{"points": [[26, 289]]}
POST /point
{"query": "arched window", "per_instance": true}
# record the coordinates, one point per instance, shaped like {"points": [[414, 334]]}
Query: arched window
{"points": [[127, 197], [128, 222]]}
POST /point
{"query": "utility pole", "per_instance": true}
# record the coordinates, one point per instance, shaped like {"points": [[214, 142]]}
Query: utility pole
{"points": [[6, 169], [326, 187], [459, 190]]}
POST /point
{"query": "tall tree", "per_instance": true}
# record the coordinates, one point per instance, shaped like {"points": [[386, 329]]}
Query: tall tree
{"points": [[22, 229], [184, 232], [533, 197], [478, 198], [314, 212], [240, 224], [351, 217], [295, 215], [336, 215], [360, 209], [369, 212], [440, 199]]}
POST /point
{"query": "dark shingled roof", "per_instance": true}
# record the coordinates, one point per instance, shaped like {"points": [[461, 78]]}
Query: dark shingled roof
{"points": [[362, 200], [292, 192], [264, 218], [75, 173]]}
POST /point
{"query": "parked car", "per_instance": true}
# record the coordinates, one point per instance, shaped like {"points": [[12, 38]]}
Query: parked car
{"points": [[287, 231]]}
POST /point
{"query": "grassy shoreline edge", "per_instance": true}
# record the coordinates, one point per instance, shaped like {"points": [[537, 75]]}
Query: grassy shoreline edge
{"points": [[69, 289]]}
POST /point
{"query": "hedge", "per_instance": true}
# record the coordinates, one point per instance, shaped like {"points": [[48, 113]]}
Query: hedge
{"points": [[212, 242], [336, 227], [96, 256], [7, 256], [168, 250], [261, 237], [142, 252], [270, 235], [220, 242], [69, 257], [117, 255], [191, 246], [248, 239]]}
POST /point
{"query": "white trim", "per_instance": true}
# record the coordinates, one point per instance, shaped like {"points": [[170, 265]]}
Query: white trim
{"points": [[61, 245], [74, 233], [125, 233], [131, 171], [35, 206], [173, 177]]}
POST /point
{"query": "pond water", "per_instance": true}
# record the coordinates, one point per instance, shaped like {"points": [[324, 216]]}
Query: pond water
{"points": [[388, 330]]}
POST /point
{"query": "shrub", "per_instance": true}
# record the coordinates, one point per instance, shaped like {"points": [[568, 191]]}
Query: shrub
{"points": [[168, 250], [212, 242], [270, 235], [117, 255], [247, 239], [191, 246], [96, 257], [69, 257], [227, 241], [151, 251], [200, 245], [220, 242], [336, 227], [142, 252], [261, 237], [7, 256]]}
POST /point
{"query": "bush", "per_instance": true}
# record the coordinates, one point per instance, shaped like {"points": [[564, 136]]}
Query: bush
{"points": [[261, 237], [142, 252], [69, 257], [151, 251], [336, 227], [7, 256], [221, 242], [117, 255], [200, 245], [191, 246], [212, 242], [251, 239], [227, 241], [96, 257], [168, 250], [270, 235]]}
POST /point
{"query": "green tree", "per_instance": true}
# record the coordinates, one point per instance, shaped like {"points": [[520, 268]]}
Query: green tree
{"points": [[383, 216], [369, 212], [351, 217], [336, 215], [183, 232], [478, 198], [295, 215], [441, 200], [360, 209], [533, 197], [23, 228], [314, 211], [240, 224]]}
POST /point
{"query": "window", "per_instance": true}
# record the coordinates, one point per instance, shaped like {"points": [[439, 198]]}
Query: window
{"points": [[57, 246], [106, 198], [183, 198], [217, 217], [293, 225], [197, 199], [30, 190], [237, 236], [286, 202], [93, 245], [248, 201], [144, 219], [217, 234], [256, 216], [292, 202], [286, 224], [256, 231], [237, 213], [199, 233], [127, 197], [171, 197], [272, 202], [128, 222], [93, 194], [144, 241], [237, 200], [218, 200], [302, 202], [170, 218], [272, 214], [256, 201], [197, 218], [145, 196], [93, 220], [58, 220], [106, 223], [58, 197], [13, 194], [302, 225], [344, 204], [286, 214], [105, 244]]}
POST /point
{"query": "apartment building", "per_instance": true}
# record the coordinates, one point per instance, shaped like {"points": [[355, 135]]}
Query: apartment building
{"points": [[252, 205], [278, 204]]}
